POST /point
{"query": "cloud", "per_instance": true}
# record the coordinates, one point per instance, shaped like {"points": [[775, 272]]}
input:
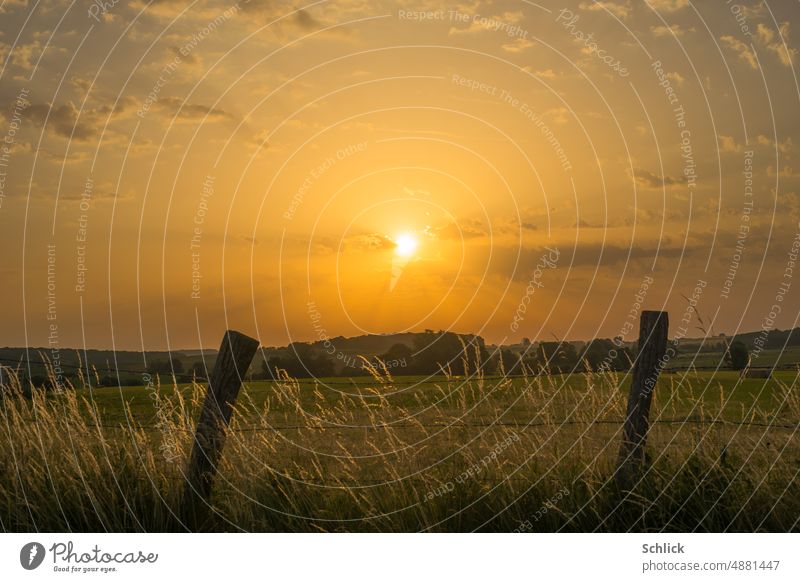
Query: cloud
{"points": [[187, 57], [582, 223], [101, 190], [104, 190], [546, 74], [672, 30], [370, 241], [785, 147], [764, 33], [729, 144], [62, 120], [668, 5], [648, 179], [172, 8], [67, 121], [183, 111], [676, 78], [753, 12], [291, 18], [364, 242], [25, 56], [592, 254], [260, 139], [518, 45], [76, 156], [776, 42], [82, 84], [558, 115], [9, 4], [789, 203], [124, 107], [416, 191], [618, 9], [784, 172], [20, 147], [489, 23], [513, 226], [462, 230], [303, 19], [742, 49]]}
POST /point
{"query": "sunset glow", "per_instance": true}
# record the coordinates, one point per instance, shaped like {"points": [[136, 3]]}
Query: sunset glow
{"points": [[406, 245], [424, 266], [225, 165]]}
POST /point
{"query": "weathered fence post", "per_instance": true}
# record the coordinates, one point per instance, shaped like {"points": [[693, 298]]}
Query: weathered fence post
{"points": [[653, 328], [235, 354]]}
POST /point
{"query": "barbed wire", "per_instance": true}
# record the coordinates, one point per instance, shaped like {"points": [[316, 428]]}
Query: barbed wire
{"points": [[367, 379], [517, 425]]}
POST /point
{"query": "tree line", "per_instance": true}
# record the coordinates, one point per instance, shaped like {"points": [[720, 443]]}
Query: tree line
{"points": [[430, 353], [450, 353]]}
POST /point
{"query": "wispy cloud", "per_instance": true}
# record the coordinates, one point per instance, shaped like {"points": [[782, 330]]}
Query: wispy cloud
{"points": [[741, 49], [668, 5], [648, 179], [618, 9]]}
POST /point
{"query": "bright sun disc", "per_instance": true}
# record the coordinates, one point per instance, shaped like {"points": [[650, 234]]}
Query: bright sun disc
{"points": [[406, 245]]}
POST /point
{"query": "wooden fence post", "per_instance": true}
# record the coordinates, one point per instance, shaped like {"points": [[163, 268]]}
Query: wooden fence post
{"points": [[235, 354], [653, 329]]}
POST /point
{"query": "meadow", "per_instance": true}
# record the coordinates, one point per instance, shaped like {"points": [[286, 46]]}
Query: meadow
{"points": [[534, 453]]}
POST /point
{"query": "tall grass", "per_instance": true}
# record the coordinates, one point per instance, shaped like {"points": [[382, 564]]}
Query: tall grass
{"points": [[463, 454]]}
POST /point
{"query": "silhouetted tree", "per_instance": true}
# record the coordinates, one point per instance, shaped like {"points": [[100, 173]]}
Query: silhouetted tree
{"points": [[738, 355], [199, 369], [511, 362], [558, 357], [301, 361], [444, 350], [177, 365], [173, 365], [602, 354], [397, 352]]}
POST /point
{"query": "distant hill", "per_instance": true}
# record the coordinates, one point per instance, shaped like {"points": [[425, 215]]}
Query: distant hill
{"points": [[369, 345], [105, 366], [775, 339], [100, 364]]}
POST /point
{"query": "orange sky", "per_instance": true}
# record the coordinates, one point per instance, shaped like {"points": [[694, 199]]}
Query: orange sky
{"points": [[199, 166]]}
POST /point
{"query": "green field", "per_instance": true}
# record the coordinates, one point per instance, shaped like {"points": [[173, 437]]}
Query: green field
{"points": [[377, 454], [782, 358], [683, 393]]}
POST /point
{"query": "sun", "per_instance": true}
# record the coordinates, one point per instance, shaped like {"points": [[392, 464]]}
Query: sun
{"points": [[405, 244]]}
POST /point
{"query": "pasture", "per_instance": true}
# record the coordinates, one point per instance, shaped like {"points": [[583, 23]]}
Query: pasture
{"points": [[410, 454]]}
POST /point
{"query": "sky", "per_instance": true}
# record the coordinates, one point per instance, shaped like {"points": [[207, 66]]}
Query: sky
{"points": [[172, 169]]}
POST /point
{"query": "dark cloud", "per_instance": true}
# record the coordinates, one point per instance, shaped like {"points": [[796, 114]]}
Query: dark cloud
{"points": [[648, 179], [124, 107], [174, 107], [185, 56], [61, 120], [305, 21], [512, 226], [69, 122], [302, 19], [370, 241], [611, 256], [464, 229]]}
